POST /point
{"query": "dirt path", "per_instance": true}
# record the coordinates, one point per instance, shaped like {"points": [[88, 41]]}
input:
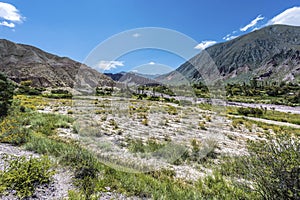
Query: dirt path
{"points": [[267, 121], [280, 108]]}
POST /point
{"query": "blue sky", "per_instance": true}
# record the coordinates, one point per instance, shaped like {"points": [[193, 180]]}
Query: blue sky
{"points": [[75, 28]]}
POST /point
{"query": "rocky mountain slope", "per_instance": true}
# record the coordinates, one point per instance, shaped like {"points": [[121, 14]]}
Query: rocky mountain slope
{"points": [[23, 62], [271, 53]]}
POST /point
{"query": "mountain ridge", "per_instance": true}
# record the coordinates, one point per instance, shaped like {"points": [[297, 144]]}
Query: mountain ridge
{"points": [[131, 78], [21, 62], [252, 55]]}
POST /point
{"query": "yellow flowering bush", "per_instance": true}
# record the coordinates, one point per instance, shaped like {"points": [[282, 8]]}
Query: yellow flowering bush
{"points": [[12, 131]]}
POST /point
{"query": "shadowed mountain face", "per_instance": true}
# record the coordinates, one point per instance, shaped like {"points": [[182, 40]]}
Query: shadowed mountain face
{"points": [[271, 53], [23, 62]]}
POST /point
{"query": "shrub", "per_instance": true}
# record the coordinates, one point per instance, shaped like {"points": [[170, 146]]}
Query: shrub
{"points": [[250, 111], [12, 130], [202, 126], [59, 91], [59, 94], [27, 90], [172, 110], [23, 175], [275, 167], [145, 122]]}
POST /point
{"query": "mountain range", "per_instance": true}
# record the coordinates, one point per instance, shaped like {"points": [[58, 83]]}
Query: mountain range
{"points": [[270, 54], [133, 78]]}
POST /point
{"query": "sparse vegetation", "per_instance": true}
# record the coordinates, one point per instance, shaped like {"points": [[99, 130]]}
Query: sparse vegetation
{"points": [[37, 132]]}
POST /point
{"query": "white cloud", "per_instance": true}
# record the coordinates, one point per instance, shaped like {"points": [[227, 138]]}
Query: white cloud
{"points": [[204, 44], [290, 16], [230, 37], [252, 23], [108, 65], [10, 14], [136, 35], [8, 24], [151, 63]]}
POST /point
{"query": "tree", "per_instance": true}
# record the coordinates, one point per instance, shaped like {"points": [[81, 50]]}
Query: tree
{"points": [[6, 94]]}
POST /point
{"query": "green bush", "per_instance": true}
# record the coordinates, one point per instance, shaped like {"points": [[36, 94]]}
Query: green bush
{"points": [[59, 94], [27, 90], [250, 111], [23, 175], [59, 91], [275, 167]]}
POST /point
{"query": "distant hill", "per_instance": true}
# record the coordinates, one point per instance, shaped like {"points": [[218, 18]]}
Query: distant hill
{"points": [[271, 54], [23, 62], [132, 78], [149, 76]]}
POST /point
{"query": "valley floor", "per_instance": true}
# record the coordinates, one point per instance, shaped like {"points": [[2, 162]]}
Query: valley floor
{"points": [[148, 139]]}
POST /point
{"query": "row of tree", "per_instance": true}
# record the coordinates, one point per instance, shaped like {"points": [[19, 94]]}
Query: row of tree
{"points": [[290, 91]]}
